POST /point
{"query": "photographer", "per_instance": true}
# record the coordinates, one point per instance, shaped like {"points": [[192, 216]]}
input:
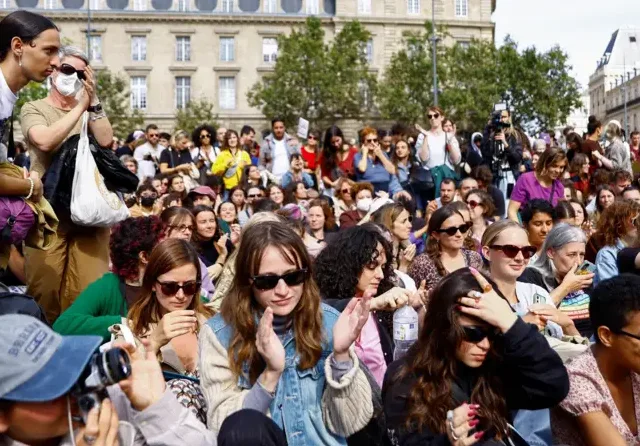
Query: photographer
{"points": [[41, 373], [502, 151]]}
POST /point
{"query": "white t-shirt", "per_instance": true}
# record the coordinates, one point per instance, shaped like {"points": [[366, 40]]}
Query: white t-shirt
{"points": [[7, 101], [147, 168], [280, 159], [437, 150]]}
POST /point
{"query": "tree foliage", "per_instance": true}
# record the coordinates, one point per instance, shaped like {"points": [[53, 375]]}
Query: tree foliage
{"points": [[316, 80], [195, 113], [114, 97], [31, 92], [473, 77]]}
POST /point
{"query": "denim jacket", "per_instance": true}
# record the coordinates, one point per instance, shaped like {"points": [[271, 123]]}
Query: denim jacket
{"points": [[606, 262], [306, 405]]}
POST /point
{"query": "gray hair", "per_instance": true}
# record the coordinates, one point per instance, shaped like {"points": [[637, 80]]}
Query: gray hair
{"points": [[559, 236], [72, 51]]}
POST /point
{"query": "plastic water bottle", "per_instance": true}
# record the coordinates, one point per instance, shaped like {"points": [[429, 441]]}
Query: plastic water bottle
{"points": [[405, 330]]}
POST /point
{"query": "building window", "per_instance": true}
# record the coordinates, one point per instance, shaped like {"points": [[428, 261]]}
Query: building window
{"points": [[227, 50], [364, 6], [227, 93], [227, 5], [413, 6], [95, 48], [139, 5], [183, 5], [462, 8], [269, 49], [464, 44], [313, 7], [138, 48], [183, 91], [139, 92], [183, 48], [270, 5], [50, 4], [369, 51]]}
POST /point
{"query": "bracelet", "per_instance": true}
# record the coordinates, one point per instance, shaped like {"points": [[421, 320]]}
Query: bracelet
{"points": [[30, 189], [96, 116]]}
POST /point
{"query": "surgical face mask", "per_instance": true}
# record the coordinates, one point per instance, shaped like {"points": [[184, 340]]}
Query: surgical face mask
{"points": [[67, 84], [364, 204]]}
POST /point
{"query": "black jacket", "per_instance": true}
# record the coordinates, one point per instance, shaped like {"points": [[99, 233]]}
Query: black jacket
{"points": [[513, 152], [533, 377]]}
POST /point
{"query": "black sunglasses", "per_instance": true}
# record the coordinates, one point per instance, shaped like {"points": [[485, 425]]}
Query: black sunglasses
{"points": [[345, 191], [172, 288], [371, 140], [433, 116], [454, 229], [67, 69], [270, 281], [254, 195], [473, 204], [475, 334], [206, 135], [512, 251]]}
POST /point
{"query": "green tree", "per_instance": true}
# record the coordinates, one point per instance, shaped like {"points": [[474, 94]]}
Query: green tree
{"points": [[316, 80], [194, 114], [114, 96], [32, 92]]}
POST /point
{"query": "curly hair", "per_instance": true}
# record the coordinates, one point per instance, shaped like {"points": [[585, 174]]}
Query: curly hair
{"points": [[612, 224], [432, 360], [339, 265], [195, 135], [128, 239]]}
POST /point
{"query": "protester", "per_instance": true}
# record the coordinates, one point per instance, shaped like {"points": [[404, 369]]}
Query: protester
{"points": [[320, 219], [373, 165], [204, 154], [253, 194], [397, 220], [148, 154], [564, 213], [445, 252], [481, 210], [296, 193], [273, 284], [310, 155], [176, 158], [146, 197], [484, 178], [616, 155], [453, 386], [537, 218], [362, 192], [604, 198], [238, 197], [213, 246], [276, 194], [579, 172], [231, 161], [79, 255], [336, 159], [277, 148], [466, 185], [228, 216], [343, 200]]}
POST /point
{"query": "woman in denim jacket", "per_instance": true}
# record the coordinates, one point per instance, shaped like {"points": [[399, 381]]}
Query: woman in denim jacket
{"points": [[275, 348]]}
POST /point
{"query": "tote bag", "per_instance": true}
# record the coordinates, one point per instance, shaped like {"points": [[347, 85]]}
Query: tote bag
{"points": [[92, 204]]}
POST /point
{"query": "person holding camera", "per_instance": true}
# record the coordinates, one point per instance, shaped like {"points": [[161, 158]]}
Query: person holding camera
{"points": [[502, 150]]}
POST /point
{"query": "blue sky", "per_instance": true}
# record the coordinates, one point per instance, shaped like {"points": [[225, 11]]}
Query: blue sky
{"points": [[581, 27]]}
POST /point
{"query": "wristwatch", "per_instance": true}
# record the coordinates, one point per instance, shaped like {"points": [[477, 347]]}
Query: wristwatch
{"points": [[95, 108]]}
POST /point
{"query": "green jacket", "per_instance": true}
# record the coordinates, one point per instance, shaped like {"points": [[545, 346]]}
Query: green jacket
{"points": [[98, 307]]}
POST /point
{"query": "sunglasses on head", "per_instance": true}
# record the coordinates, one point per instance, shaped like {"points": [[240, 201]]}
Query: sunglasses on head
{"points": [[270, 281], [434, 115], [172, 288], [67, 69], [205, 135], [454, 229], [512, 251], [473, 204], [475, 334]]}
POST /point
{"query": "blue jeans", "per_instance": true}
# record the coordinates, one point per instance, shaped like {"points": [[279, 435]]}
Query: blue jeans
{"points": [[534, 426]]}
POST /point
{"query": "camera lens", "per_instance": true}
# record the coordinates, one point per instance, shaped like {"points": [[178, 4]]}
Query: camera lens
{"points": [[114, 366]]}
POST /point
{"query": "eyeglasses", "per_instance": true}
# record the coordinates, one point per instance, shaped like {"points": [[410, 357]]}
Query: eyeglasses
{"points": [[345, 191], [270, 281], [473, 204], [67, 69], [475, 334], [254, 195], [434, 115], [205, 135], [153, 135], [182, 228], [454, 229], [371, 140], [626, 333], [172, 288], [512, 251]]}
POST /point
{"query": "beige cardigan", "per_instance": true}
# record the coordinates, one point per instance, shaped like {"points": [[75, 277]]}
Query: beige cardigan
{"points": [[346, 405]]}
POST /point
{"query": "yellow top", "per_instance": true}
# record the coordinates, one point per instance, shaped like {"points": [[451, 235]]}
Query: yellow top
{"points": [[231, 167]]}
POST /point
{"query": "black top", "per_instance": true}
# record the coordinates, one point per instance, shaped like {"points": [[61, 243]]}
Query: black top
{"points": [[124, 150], [498, 200], [209, 254], [532, 375], [627, 260], [173, 158]]}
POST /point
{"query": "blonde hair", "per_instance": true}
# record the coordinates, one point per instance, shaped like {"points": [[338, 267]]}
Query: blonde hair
{"points": [[494, 230], [177, 136]]}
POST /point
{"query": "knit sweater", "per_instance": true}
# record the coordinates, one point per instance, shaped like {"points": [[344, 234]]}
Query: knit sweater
{"points": [[97, 308]]}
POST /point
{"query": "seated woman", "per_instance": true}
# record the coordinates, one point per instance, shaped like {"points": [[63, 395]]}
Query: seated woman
{"points": [[618, 227], [604, 395], [227, 216], [445, 251], [106, 301], [213, 246], [537, 218], [373, 165], [481, 210], [146, 197], [362, 194], [555, 270], [396, 219], [343, 200], [293, 358], [564, 213], [474, 361], [276, 194], [320, 219]]}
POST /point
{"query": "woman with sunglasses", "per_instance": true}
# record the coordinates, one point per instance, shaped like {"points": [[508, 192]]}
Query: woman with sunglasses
{"points": [[445, 250], [604, 396], [204, 153], [373, 164], [481, 210], [293, 358], [232, 160], [618, 229], [474, 362], [343, 200]]}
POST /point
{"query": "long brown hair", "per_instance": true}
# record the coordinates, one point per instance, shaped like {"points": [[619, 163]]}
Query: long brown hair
{"points": [[433, 245], [167, 256], [432, 360], [239, 308], [329, 218], [613, 221]]}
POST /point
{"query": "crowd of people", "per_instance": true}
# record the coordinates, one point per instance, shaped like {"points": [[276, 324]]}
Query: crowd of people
{"points": [[252, 289]]}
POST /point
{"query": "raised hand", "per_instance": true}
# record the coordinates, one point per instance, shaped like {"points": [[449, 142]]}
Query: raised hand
{"points": [[173, 324], [349, 325], [146, 384], [268, 343]]}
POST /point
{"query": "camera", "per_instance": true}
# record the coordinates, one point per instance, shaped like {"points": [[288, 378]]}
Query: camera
{"points": [[496, 122], [104, 369]]}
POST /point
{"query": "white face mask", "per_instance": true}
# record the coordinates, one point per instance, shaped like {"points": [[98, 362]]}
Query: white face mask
{"points": [[364, 204], [67, 84]]}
